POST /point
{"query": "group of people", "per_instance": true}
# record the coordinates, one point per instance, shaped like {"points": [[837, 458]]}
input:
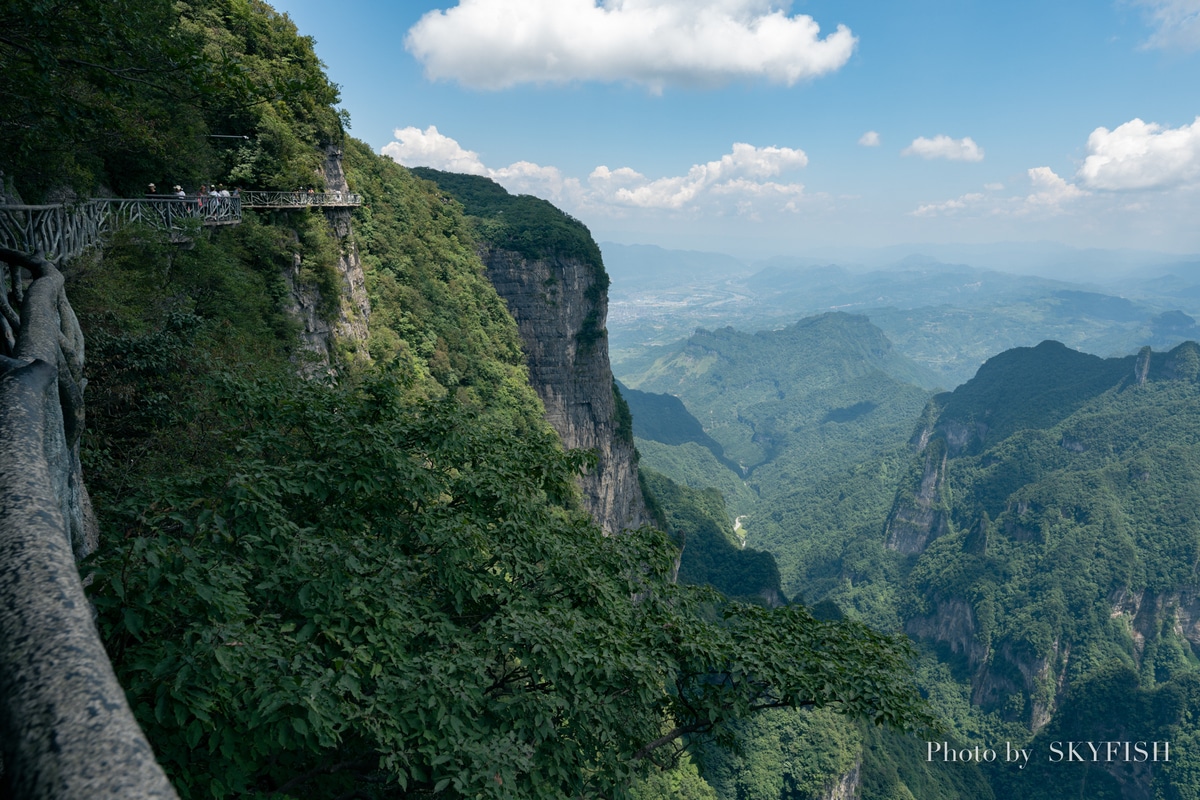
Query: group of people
{"points": [[177, 191]]}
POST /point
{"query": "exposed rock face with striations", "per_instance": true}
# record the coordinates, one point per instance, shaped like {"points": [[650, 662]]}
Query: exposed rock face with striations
{"points": [[561, 317], [548, 269], [996, 673], [349, 328], [846, 787]]}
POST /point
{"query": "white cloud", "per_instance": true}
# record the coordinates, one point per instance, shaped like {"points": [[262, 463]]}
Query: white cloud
{"points": [[1049, 193], [1176, 23], [1050, 190], [1140, 155], [949, 206], [495, 44], [942, 146], [739, 180], [525, 177], [729, 175], [428, 148], [869, 139]]}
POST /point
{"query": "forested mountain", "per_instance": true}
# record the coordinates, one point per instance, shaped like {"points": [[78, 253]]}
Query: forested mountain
{"points": [[1034, 531], [755, 393], [342, 553], [816, 414], [1050, 518]]}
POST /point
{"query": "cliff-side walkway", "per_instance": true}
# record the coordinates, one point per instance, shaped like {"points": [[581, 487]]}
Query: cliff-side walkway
{"points": [[64, 230]]}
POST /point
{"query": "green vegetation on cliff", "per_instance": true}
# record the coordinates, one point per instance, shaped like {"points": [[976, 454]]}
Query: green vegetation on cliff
{"points": [[1049, 520], [116, 94], [522, 223], [712, 556]]}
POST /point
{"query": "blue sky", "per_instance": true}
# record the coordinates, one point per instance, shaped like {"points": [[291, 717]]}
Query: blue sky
{"points": [[745, 126]]}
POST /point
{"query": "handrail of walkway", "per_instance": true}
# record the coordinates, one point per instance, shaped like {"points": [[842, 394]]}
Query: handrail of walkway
{"points": [[66, 728], [65, 230], [299, 199]]}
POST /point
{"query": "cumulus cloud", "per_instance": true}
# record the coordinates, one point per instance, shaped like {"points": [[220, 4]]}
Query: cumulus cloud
{"points": [[1049, 193], [869, 139], [949, 206], [495, 44], [729, 175], [428, 148], [740, 180], [1141, 155], [1176, 23], [1050, 190], [942, 146]]}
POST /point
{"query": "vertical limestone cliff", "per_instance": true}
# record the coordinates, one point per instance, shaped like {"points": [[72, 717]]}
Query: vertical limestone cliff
{"points": [[548, 269], [560, 305], [347, 330]]}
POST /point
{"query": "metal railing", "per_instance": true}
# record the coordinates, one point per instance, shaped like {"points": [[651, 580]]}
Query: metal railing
{"points": [[66, 230], [299, 199]]}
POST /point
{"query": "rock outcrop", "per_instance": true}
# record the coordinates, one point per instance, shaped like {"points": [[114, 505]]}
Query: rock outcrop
{"points": [[560, 305], [996, 674], [919, 517], [848, 786], [345, 334]]}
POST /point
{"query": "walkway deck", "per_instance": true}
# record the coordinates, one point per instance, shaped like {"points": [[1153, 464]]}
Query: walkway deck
{"points": [[65, 230]]}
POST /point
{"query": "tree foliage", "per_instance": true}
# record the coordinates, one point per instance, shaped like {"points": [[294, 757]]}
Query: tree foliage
{"points": [[116, 94], [381, 596]]}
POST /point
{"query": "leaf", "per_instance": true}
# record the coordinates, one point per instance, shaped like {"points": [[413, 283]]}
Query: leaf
{"points": [[195, 732], [133, 622]]}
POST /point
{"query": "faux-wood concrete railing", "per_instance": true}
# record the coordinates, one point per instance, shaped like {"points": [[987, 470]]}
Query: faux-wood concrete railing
{"points": [[66, 729], [64, 230]]}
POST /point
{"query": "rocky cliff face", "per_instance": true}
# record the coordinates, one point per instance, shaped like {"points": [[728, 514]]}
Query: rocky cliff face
{"points": [[349, 329], [996, 673], [560, 311], [1148, 616], [919, 517], [848, 786]]}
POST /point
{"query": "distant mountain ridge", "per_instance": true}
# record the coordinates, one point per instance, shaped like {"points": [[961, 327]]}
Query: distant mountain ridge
{"points": [[663, 418], [754, 391], [947, 314]]}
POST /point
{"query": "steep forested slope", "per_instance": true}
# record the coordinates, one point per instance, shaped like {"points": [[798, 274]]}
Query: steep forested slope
{"points": [[1036, 533], [1049, 517], [548, 269]]}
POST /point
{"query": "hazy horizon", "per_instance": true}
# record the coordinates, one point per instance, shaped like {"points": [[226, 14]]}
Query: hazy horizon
{"points": [[1043, 259]]}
